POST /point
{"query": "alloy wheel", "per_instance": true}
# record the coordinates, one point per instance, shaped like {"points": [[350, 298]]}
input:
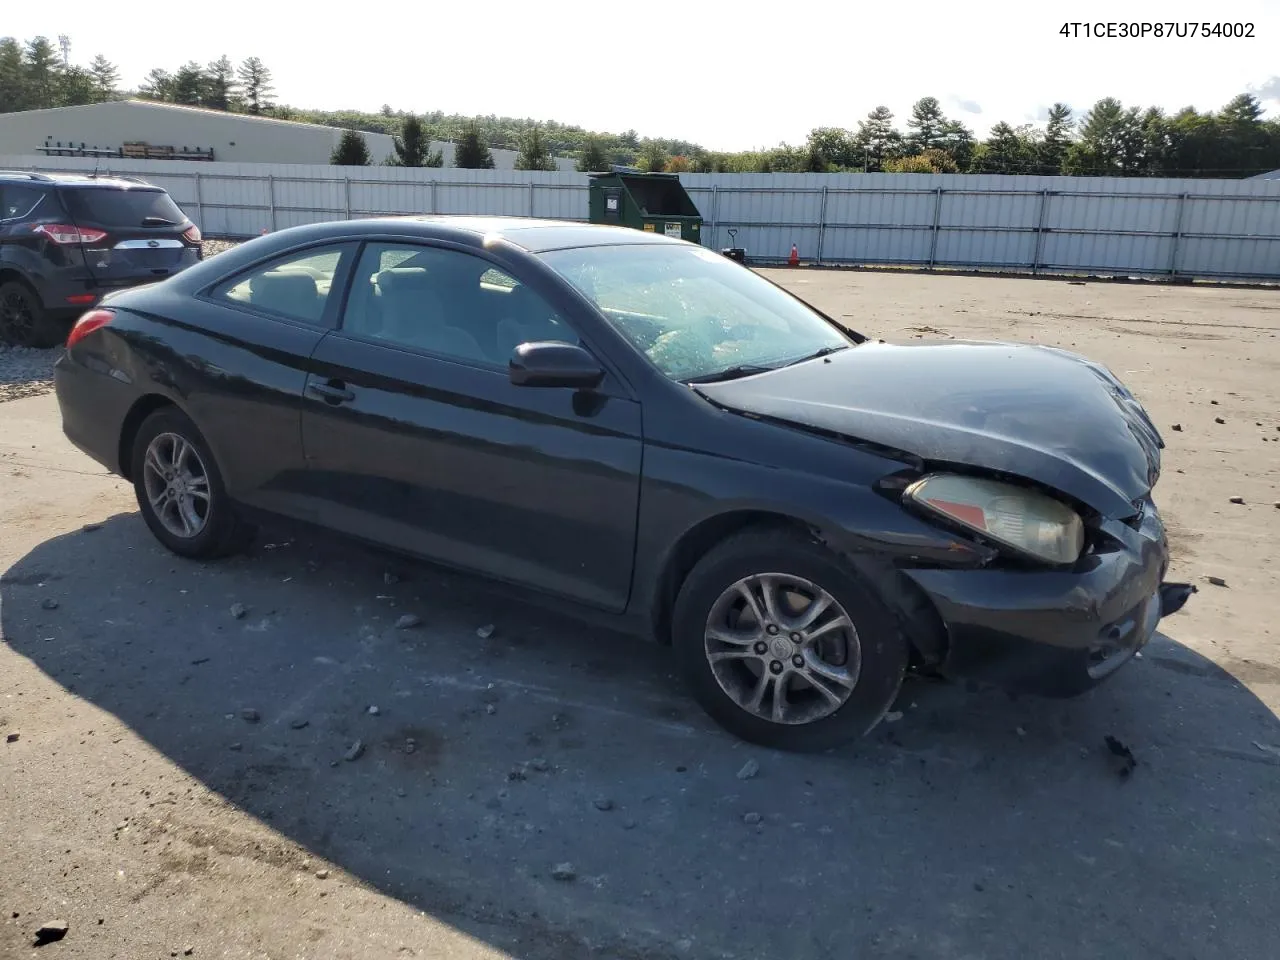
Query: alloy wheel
{"points": [[177, 485], [782, 648], [17, 317]]}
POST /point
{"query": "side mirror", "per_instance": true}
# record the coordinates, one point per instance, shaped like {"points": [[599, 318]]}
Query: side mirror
{"points": [[550, 363]]}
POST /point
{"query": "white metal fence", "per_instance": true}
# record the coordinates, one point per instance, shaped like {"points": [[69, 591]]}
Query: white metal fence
{"points": [[1219, 229]]}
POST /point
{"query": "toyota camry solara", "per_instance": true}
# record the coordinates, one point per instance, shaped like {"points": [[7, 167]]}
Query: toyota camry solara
{"points": [[651, 432]]}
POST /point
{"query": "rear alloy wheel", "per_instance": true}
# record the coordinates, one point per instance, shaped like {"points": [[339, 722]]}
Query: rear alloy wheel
{"points": [[24, 322], [180, 491], [784, 645]]}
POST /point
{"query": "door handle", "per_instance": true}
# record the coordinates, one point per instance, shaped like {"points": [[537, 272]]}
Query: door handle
{"points": [[332, 391]]}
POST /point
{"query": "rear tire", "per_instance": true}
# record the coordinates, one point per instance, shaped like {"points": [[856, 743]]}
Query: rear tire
{"points": [[842, 666], [24, 322], [180, 490]]}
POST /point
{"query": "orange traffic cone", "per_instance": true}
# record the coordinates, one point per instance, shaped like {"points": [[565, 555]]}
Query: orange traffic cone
{"points": [[795, 257]]}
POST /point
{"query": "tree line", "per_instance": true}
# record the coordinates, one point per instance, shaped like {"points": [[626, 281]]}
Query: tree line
{"points": [[1109, 139]]}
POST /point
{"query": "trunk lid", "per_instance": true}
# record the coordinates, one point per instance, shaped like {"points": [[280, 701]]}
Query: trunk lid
{"points": [[1036, 412]]}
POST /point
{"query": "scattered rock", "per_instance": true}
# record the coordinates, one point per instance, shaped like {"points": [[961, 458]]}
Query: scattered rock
{"points": [[1122, 757], [1276, 504], [299, 723], [11, 738], [51, 932], [373, 711], [91, 527], [540, 764], [485, 632], [409, 621], [250, 715], [564, 872], [410, 745], [238, 611], [188, 951], [893, 716], [236, 747], [401, 792], [1217, 581], [752, 818], [354, 752], [517, 773], [628, 824], [1237, 499], [322, 874], [749, 770], [1177, 428], [48, 603], [1213, 402], [490, 709], [603, 804], [1218, 420]]}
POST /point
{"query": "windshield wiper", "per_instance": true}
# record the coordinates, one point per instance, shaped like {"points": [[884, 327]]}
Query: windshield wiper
{"points": [[732, 373], [825, 351], [158, 222]]}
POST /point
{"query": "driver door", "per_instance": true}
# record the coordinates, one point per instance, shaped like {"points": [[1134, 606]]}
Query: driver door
{"points": [[415, 436]]}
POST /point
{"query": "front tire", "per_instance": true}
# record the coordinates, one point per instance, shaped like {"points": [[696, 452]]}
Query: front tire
{"points": [[24, 322], [180, 490], [784, 645]]}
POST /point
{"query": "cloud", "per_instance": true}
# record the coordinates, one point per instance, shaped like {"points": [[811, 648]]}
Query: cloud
{"points": [[968, 106], [1270, 90]]}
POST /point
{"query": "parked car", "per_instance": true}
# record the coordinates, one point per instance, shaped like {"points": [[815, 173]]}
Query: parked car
{"points": [[643, 427], [67, 240]]}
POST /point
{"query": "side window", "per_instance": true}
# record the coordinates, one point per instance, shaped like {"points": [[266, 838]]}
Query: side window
{"points": [[446, 302], [297, 286], [18, 201]]}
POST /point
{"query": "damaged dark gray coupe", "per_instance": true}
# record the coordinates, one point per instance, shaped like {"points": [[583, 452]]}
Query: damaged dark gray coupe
{"points": [[656, 434]]}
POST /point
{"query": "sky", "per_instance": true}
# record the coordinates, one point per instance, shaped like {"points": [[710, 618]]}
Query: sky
{"points": [[727, 75]]}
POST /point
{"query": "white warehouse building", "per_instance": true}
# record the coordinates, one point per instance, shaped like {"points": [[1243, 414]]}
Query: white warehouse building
{"points": [[146, 129]]}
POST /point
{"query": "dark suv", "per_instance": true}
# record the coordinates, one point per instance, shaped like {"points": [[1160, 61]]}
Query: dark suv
{"points": [[65, 241]]}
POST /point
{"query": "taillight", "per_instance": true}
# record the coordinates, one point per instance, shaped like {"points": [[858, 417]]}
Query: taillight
{"points": [[192, 234], [69, 235], [88, 322]]}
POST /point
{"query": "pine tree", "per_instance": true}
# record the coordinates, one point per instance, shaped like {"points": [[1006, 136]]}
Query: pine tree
{"points": [[472, 153], [533, 152], [76, 86], [877, 140], [413, 146], [13, 80], [592, 158], [106, 78], [351, 151], [158, 85], [220, 84], [1057, 140], [256, 80], [927, 125], [43, 65], [189, 85]]}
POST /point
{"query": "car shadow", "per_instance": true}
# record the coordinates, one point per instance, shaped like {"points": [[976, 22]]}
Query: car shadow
{"points": [[509, 741]]}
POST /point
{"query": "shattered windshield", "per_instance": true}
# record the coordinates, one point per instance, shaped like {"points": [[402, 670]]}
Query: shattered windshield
{"points": [[694, 313]]}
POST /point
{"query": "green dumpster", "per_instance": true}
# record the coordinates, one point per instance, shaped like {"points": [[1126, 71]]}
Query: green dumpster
{"points": [[655, 202]]}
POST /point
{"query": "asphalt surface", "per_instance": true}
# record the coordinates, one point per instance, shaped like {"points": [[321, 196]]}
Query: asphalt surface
{"points": [[180, 776]]}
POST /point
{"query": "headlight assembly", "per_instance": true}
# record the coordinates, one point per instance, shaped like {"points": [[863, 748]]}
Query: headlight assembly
{"points": [[1023, 520]]}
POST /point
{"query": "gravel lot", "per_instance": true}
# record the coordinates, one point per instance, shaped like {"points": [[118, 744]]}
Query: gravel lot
{"points": [[186, 771]]}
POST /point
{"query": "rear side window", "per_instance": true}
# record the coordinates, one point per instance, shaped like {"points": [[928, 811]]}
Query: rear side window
{"points": [[297, 286], [119, 207], [18, 201]]}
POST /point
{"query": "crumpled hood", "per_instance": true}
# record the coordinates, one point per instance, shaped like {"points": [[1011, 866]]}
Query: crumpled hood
{"points": [[1036, 412]]}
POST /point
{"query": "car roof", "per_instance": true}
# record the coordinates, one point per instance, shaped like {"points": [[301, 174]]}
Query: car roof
{"points": [[77, 180], [531, 234]]}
